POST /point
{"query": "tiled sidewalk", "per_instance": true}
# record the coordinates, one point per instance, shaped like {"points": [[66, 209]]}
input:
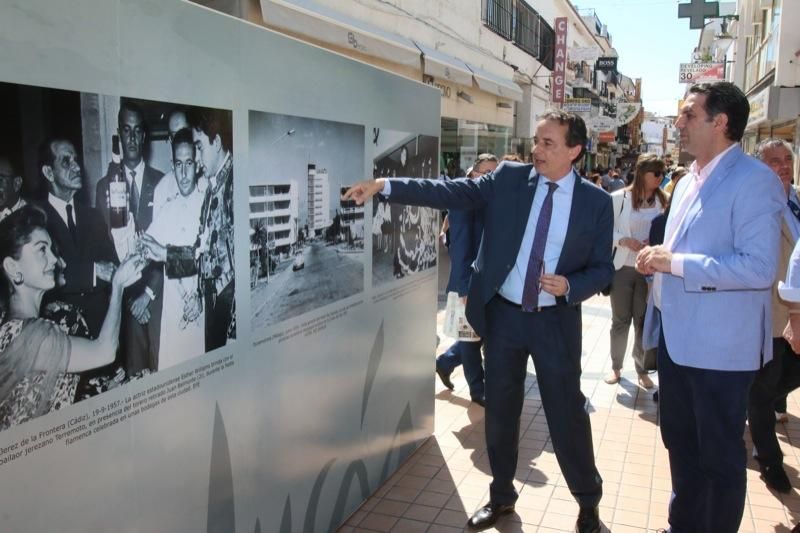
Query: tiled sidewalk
{"points": [[440, 486]]}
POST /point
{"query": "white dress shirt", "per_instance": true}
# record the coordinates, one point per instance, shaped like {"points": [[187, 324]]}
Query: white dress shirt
{"points": [[697, 177], [562, 205], [139, 177]]}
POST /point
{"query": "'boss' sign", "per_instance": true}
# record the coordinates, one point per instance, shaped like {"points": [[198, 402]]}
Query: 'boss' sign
{"points": [[606, 64]]}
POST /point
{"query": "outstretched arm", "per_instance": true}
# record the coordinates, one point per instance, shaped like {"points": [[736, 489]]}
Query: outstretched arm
{"points": [[364, 190]]}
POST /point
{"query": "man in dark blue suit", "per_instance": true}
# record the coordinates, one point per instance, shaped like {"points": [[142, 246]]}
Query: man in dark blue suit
{"points": [[546, 247], [466, 230]]}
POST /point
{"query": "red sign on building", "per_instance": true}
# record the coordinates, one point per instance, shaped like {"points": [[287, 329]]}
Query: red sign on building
{"points": [[560, 61]]}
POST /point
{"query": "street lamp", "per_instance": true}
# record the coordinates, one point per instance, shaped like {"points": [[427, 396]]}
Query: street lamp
{"points": [[724, 39]]}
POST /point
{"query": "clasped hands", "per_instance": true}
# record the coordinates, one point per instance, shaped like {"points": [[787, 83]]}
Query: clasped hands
{"points": [[652, 259]]}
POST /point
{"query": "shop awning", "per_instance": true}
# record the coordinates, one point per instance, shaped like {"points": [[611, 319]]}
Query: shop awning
{"points": [[320, 23], [492, 83], [441, 65]]}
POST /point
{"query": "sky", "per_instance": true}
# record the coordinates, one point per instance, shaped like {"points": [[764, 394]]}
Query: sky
{"points": [[651, 42], [277, 158]]}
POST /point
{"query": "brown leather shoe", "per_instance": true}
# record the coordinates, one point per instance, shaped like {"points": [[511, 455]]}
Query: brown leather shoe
{"points": [[613, 377], [487, 516], [588, 520]]}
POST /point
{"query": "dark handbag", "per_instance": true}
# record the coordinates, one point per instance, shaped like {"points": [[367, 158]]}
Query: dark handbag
{"points": [[649, 362]]}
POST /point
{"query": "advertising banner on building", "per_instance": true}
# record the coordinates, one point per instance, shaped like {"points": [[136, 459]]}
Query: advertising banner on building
{"points": [[627, 111], [701, 72], [577, 105], [560, 60], [583, 53], [606, 64]]}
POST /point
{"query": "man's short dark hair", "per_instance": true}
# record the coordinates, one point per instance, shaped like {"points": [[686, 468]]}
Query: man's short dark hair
{"points": [[130, 107], [47, 157], [576, 129], [213, 122], [725, 97], [183, 136]]}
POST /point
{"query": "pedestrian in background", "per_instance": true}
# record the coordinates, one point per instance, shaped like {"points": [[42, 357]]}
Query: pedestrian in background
{"points": [[635, 207]]}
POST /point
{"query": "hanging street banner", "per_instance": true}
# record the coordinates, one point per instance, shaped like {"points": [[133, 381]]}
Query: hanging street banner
{"points": [[577, 105], [701, 72], [560, 64], [583, 53], [606, 64], [627, 111], [601, 123]]}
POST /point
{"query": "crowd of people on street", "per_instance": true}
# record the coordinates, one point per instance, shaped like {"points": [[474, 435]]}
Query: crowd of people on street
{"points": [[698, 258], [91, 297]]}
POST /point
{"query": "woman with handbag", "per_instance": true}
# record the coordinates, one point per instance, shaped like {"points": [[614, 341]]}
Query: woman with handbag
{"points": [[635, 207]]}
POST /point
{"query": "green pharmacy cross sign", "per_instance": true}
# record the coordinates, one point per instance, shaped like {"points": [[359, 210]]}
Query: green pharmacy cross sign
{"points": [[697, 11]]}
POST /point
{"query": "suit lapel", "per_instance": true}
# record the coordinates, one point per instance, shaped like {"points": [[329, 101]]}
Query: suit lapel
{"points": [[523, 205], [572, 225], [714, 180]]}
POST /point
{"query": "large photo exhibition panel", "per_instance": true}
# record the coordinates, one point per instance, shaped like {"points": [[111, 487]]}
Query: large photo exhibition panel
{"points": [[252, 429]]}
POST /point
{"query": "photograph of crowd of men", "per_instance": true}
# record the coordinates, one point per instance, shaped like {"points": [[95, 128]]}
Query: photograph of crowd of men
{"points": [[116, 242], [403, 236]]}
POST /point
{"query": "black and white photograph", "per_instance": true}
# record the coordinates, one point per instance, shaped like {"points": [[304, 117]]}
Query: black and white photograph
{"points": [[116, 242], [403, 236], [306, 245]]}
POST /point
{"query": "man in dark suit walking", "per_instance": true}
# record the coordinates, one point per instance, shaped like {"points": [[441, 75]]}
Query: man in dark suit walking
{"points": [[546, 247], [141, 324], [80, 235]]}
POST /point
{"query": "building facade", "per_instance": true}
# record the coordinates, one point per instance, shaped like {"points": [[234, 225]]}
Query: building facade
{"points": [[492, 60], [319, 200]]}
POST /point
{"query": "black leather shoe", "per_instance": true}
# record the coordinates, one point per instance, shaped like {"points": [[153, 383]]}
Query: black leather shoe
{"points": [[775, 477], [479, 400], [588, 520], [487, 516], [445, 377]]}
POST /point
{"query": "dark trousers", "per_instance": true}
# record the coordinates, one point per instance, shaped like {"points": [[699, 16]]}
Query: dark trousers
{"points": [[773, 382], [702, 416], [552, 337], [140, 342], [219, 313], [468, 354]]}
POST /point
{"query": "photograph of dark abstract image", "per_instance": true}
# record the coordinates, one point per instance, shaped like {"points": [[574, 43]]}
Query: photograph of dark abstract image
{"points": [[306, 245], [128, 206], [403, 237]]}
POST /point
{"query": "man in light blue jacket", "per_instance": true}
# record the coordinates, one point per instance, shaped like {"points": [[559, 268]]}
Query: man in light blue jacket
{"points": [[709, 311]]}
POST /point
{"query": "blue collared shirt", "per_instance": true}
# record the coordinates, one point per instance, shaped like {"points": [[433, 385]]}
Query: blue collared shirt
{"points": [[788, 216], [562, 205]]}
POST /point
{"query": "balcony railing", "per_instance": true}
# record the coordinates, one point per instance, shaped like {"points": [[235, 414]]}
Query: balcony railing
{"points": [[526, 30], [516, 21], [499, 17]]}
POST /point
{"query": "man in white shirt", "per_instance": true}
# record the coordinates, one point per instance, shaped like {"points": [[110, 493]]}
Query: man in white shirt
{"points": [[710, 309], [781, 375]]}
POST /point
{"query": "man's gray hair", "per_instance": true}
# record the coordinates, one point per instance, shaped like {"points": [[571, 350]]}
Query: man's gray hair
{"points": [[770, 143]]}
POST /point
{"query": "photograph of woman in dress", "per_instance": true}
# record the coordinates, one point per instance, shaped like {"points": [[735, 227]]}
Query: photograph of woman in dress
{"points": [[38, 359]]}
